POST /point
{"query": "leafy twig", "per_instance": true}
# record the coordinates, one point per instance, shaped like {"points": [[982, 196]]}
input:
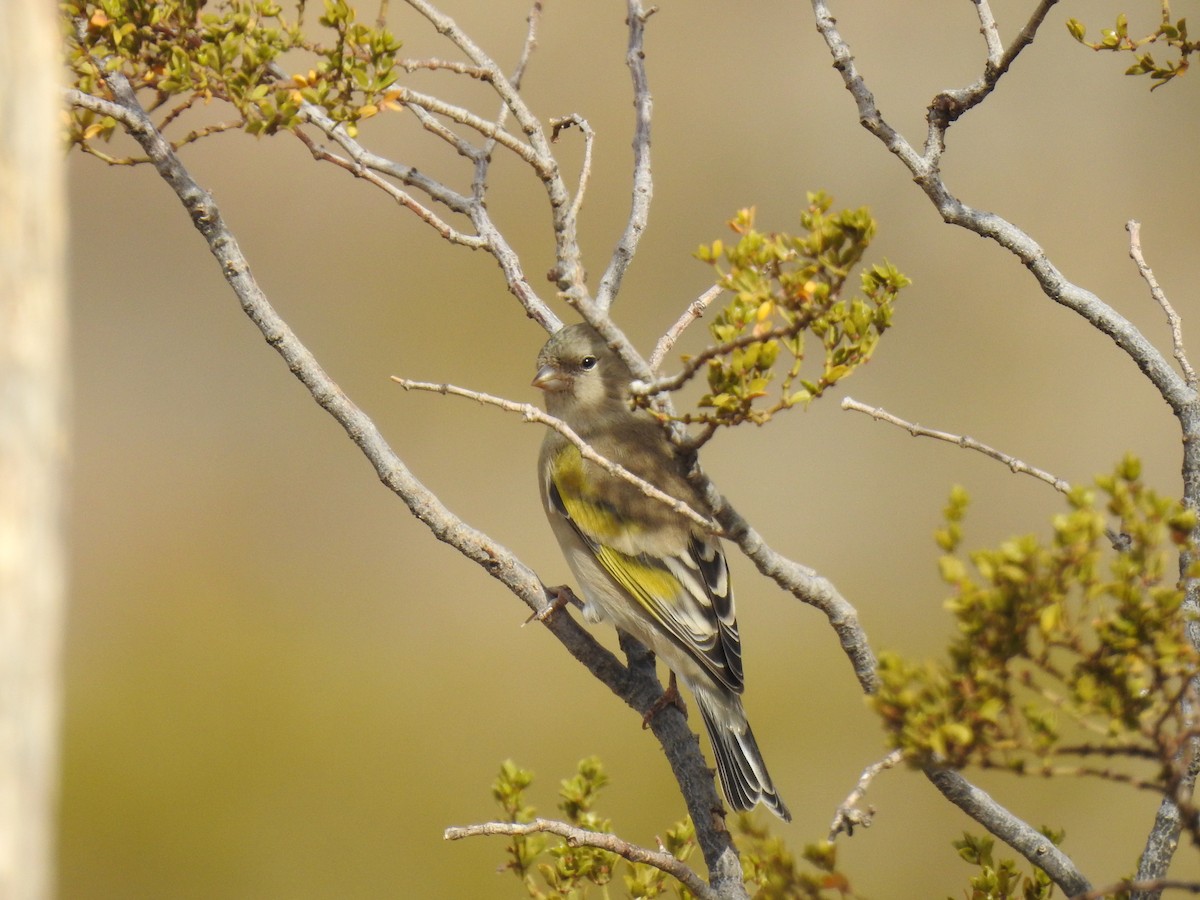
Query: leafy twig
{"points": [[927, 174], [581, 837]]}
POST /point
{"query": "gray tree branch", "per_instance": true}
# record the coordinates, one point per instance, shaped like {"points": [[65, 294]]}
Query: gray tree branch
{"points": [[635, 684], [643, 182], [1177, 390], [581, 837], [1026, 840]]}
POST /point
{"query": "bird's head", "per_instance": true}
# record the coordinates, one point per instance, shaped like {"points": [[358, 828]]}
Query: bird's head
{"points": [[581, 375]]}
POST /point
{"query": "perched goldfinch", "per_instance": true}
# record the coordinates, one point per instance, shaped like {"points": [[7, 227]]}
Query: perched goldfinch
{"points": [[640, 565]]}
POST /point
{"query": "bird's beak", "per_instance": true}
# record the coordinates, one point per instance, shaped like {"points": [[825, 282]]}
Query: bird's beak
{"points": [[549, 378]]}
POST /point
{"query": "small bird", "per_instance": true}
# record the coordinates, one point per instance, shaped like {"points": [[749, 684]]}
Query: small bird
{"points": [[642, 566]]}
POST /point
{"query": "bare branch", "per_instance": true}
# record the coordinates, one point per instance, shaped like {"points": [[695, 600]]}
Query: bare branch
{"points": [[402, 197], [462, 146], [479, 183], [949, 105], [542, 164], [694, 310], [1113, 775], [967, 443], [406, 175], [636, 685], [444, 65], [527, 47], [450, 29], [1127, 886], [991, 34], [1134, 228], [695, 363], [585, 171], [569, 267], [1030, 843], [581, 837], [643, 181], [531, 413], [493, 241], [927, 175], [848, 815], [499, 246]]}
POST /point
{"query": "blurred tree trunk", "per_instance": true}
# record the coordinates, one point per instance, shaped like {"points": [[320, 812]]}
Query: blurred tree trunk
{"points": [[33, 443]]}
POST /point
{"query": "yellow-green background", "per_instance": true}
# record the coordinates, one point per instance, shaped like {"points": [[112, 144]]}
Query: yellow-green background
{"points": [[279, 685]]}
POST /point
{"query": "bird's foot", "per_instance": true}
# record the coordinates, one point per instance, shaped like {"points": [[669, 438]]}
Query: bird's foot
{"points": [[670, 697], [563, 596]]}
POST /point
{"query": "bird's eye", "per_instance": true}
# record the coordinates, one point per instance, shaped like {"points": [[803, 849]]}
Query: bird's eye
{"points": [[588, 363]]}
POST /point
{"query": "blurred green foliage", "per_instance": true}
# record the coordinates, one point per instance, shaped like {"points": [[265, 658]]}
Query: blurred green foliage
{"points": [[186, 52], [772, 872], [1172, 35], [786, 287], [1000, 879], [1075, 646]]}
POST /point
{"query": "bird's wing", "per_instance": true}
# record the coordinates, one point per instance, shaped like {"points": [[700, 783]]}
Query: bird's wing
{"points": [[686, 592]]}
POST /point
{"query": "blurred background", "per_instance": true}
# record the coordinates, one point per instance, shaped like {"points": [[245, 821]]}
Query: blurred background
{"points": [[280, 685]]}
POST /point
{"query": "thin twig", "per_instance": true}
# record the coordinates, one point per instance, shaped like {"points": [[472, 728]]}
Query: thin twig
{"points": [[541, 164], [991, 34], [461, 145], [406, 175], [694, 310], [643, 181], [967, 443], [1134, 228], [695, 363], [493, 241], [436, 65], [568, 270], [848, 815], [531, 413], [585, 170], [1113, 775], [581, 837], [479, 181], [402, 197], [949, 105]]}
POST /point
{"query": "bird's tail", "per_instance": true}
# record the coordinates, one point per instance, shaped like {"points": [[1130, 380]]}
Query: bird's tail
{"points": [[739, 762]]}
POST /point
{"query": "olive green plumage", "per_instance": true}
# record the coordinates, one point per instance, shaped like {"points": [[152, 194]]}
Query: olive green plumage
{"points": [[640, 565]]}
